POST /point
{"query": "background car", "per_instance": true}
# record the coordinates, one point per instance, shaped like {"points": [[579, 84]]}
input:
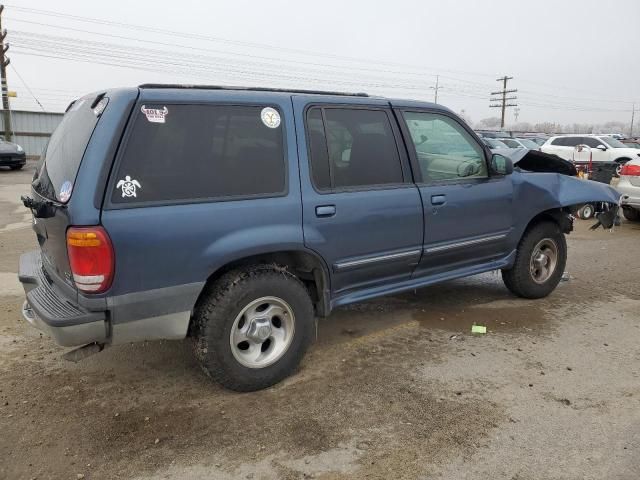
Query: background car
{"points": [[12, 155], [494, 144], [631, 142], [602, 149], [629, 187], [520, 143]]}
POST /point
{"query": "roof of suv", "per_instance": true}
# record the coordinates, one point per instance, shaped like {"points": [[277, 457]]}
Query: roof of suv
{"points": [[360, 97]]}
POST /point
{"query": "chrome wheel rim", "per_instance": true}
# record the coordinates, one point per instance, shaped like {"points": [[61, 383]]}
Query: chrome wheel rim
{"points": [[544, 260], [262, 332]]}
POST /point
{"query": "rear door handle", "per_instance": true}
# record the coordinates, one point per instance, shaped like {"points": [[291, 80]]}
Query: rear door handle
{"points": [[438, 199], [325, 211]]}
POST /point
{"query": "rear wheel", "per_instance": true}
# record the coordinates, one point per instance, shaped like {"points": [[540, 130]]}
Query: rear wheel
{"points": [[631, 214], [252, 327], [540, 260], [16, 167]]}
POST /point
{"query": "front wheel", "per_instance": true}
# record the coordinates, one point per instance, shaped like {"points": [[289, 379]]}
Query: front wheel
{"points": [[540, 260], [252, 327]]}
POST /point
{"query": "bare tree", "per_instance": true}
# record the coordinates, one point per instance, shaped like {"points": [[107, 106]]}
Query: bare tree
{"points": [[491, 122]]}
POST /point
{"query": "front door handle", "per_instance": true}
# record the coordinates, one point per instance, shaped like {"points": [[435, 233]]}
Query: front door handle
{"points": [[325, 211], [438, 199]]}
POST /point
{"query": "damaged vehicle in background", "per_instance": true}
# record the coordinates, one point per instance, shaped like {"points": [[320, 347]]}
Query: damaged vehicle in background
{"points": [[236, 216]]}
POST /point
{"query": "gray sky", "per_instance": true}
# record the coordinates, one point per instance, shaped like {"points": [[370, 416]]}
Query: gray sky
{"points": [[572, 61]]}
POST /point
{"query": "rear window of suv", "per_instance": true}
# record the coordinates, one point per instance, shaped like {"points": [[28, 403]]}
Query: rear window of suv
{"points": [[195, 152], [65, 150]]}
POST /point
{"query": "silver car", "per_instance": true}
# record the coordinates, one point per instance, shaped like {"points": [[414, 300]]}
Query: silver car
{"points": [[629, 187]]}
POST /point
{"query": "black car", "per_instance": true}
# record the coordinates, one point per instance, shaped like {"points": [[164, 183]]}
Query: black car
{"points": [[12, 155]]}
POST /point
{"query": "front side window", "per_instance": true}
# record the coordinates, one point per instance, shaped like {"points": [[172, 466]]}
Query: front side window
{"points": [[444, 149], [191, 152], [352, 148]]}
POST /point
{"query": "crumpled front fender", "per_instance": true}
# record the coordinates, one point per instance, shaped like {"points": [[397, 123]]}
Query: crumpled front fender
{"points": [[553, 190], [535, 193]]}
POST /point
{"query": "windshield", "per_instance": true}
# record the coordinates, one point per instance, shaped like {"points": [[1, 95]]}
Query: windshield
{"points": [[495, 143], [64, 152], [613, 142], [511, 143], [528, 143]]}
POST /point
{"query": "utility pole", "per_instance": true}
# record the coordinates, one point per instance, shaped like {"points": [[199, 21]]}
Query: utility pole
{"points": [[4, 63], [516, 113], [633, 114], [503, 101], [436, 88]]}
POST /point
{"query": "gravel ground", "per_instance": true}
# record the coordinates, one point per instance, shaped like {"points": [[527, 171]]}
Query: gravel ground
{"points": [[393, 388]]}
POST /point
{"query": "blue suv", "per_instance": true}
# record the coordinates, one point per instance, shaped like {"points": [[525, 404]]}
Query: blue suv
{"points": [[237, 216]]}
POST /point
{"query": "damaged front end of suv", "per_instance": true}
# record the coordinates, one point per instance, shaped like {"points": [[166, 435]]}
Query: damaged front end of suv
{"points": [[547, 183]]}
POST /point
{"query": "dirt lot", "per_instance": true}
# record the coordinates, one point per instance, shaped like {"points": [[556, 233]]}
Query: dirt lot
{"points": [[393, 388]]}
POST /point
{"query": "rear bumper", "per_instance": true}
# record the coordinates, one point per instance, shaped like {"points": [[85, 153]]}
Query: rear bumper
{"points": [[630, 193], [13, 160], [50, 311]]}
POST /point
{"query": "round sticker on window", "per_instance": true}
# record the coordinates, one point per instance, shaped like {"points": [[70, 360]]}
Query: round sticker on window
{"points": [[65, 191], [270, 117]]}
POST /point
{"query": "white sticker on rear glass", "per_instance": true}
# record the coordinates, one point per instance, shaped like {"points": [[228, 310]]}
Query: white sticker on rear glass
{"points": [[270, 117], [65, 191], [155, 115]]}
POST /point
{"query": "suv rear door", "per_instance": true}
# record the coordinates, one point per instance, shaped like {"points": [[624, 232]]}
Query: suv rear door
{"points": [[361, 210], [54, 182], [468, 213]]}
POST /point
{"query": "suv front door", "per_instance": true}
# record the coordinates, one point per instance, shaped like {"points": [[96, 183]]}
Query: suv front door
{"points": [[468, 212], [361, 210]]}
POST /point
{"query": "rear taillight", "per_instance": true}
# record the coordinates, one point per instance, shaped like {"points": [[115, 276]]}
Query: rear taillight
{"points": [[630, 170], [91, 258]]}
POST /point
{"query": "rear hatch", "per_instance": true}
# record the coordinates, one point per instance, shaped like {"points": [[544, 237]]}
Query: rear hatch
{"points": [[53, 185]]}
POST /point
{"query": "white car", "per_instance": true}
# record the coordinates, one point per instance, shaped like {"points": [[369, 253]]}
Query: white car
{"points": [[602, 148], [629, 187]]}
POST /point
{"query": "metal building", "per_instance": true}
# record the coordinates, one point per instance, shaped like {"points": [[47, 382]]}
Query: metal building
{"points": [[31, 130]]}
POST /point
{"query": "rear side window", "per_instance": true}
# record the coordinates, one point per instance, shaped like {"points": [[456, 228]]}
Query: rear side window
{"points": [[566, 141], [64, 152], [352, 147], [191, 152]]}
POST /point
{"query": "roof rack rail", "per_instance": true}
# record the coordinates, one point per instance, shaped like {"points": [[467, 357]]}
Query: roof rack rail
{"points": [[250, 89]]}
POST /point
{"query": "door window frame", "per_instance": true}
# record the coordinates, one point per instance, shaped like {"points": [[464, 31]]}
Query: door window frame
{"points": [[406, 170], [413, 155]]}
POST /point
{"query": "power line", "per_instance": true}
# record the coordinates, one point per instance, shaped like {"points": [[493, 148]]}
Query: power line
{"points": [[27, 87], [316, 64]]}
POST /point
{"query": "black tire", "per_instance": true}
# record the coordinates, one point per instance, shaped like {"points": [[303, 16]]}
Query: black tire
{"points": [[220, 306], [16, 167], [519, 279], [631, 214]]}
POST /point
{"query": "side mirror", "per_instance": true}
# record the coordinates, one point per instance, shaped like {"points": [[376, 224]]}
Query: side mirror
{"points": [[501, 165], [601, 147]]}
